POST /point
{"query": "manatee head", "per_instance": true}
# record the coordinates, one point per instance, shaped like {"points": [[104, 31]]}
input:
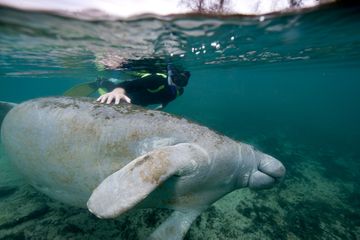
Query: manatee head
{"points": [[258, 170]]}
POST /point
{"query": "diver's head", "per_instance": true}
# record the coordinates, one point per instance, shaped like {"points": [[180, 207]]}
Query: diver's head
{"points": [[180, 78]]}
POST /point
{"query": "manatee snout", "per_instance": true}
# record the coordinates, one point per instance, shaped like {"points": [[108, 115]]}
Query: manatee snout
{"points": [[269, 172]]}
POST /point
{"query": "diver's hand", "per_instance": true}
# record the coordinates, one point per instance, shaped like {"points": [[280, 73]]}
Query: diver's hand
{"points": [[117, 95]]}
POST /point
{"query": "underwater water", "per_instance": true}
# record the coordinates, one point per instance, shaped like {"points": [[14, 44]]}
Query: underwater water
{"points": [[288, 84]]}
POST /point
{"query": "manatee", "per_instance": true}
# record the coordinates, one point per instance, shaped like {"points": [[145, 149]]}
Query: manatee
{"points": [[114, 158]]}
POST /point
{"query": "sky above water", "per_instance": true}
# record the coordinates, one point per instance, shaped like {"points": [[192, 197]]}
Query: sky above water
{"points": [[125, 8]]}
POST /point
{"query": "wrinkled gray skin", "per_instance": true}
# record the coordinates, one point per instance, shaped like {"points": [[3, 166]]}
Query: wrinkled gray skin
{"points": [[115, 158]]}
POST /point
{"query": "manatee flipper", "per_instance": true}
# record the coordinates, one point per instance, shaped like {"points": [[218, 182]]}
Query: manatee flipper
{"points": [[127, 187], [176, 226]]}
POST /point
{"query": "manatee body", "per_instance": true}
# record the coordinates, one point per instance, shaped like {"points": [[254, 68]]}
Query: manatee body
{"points": [[111, 159]]}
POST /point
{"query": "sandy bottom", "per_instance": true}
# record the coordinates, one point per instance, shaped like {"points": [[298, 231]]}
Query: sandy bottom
{"points": [[319, 199]]}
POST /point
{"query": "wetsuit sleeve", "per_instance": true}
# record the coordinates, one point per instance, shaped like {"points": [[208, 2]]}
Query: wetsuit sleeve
{"points": [[149, 82]]}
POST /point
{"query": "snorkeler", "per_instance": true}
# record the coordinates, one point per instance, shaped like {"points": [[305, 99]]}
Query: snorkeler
{"points": [[155, 88], [148, 89]]}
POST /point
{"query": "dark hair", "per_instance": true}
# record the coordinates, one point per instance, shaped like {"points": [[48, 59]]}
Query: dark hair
{"points": [[181, 79]]}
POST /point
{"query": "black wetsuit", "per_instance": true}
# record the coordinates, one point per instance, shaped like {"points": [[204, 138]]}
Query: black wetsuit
{"points": [[152, 89]]}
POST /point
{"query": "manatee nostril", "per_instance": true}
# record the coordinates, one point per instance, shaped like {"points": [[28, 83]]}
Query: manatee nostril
{"points": [[260, 180], [272, 167]]}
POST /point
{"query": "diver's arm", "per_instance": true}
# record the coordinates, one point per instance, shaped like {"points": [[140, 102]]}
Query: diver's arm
{"points": [[119, 92], [149, 82], [117, 95]]}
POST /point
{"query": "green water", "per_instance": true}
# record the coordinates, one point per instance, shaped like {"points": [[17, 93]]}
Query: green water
{"points": [[288, 85]]}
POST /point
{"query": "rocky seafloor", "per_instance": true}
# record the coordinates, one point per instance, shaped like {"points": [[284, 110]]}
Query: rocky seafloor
{"points": [[318, 199]]}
